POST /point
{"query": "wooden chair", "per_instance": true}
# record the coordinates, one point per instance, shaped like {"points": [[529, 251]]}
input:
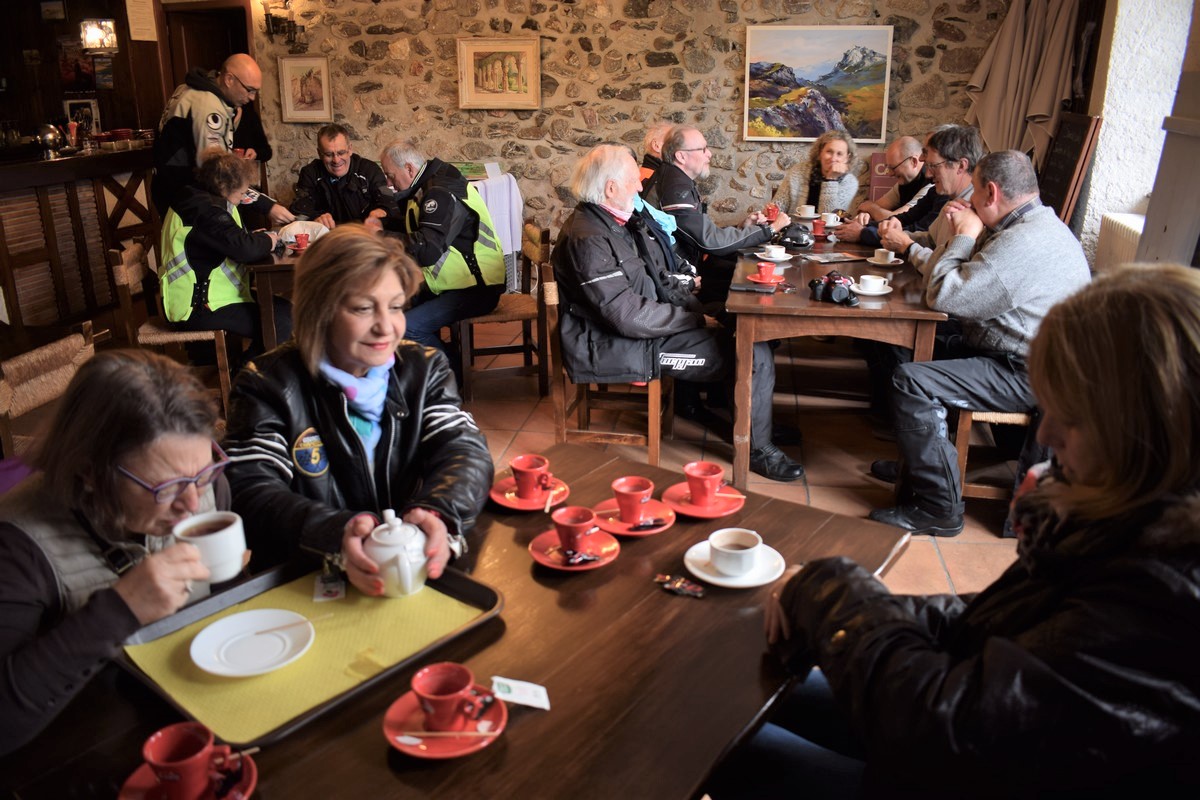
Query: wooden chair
{"points": [[962, 443], [653, 400], [32, 380], [131, 274], [513, 307]]}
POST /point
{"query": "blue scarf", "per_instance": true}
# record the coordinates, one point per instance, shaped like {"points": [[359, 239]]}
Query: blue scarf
{"points": [[667, 222], [365, 396]]}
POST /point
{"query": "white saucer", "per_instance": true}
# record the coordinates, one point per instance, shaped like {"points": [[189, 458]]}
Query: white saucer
{"points": [[805, 219], [766, 257], [829, 225], [768, 569], [235, 647], [895, 262], [859, 290]]}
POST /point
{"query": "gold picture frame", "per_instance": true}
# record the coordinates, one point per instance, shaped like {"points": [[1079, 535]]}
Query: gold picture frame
{"points": [[500, 72], [305, 90]]}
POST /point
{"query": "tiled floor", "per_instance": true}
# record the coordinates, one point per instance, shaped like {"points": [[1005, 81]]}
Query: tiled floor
{"points": [[820, 389]]}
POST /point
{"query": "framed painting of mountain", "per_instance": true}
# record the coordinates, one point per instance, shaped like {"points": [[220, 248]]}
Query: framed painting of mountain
{"points": [[802, 80]]}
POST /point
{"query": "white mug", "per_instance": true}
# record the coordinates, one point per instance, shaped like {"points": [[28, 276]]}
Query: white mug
{"points": [[774, 250], [830, 218], [884, 256], [734, 551], [807, 211], [873, 283], [221, 540]]}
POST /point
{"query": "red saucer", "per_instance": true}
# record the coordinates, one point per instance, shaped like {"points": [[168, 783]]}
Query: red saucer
{"points": [[753, 278], [547, 551], [505, 493], [406, 715], [609, 519], [143, 784], [679, 497]]}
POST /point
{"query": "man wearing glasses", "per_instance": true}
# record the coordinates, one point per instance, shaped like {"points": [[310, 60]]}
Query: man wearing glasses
{"points": [[340, 185], [903, 160], [204, 113], [949, 158]]}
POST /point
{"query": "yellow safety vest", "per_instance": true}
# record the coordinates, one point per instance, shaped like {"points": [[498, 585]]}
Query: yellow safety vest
{"points": [[451, 270], [227, 282]]}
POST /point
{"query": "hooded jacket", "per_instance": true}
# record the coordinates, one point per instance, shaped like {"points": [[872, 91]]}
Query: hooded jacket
{"points": [[617, 300], [1074, 674], [299, 471], [348, 199], [196, 118]]}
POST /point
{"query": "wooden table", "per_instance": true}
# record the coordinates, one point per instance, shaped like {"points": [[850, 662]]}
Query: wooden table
{"points": [[272, 276], [647, 689], [900, 318]]}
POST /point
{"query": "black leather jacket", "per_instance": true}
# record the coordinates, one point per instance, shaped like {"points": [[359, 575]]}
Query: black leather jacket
{"points": [[299, 471], [617, 301], [348, 199]]}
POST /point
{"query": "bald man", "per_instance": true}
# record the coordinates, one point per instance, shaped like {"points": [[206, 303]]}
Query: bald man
{"points": [[204, 113]]}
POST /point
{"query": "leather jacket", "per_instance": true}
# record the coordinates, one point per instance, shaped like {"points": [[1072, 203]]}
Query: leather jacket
{"points": [[348, 199], [617, 301], [299, 470]]}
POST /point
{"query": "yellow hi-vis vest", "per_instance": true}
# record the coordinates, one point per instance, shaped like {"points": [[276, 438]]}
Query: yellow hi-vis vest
{"points": [[451, 270], [227, 283]]}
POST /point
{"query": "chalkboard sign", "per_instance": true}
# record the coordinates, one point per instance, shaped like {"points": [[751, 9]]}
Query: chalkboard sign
{"points": [[1068, 161]]}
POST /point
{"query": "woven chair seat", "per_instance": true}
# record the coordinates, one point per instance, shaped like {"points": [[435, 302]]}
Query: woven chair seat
{"points": [[155, 332], [511, 308]]}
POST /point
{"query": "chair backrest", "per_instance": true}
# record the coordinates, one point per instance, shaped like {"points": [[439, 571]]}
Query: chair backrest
{"points": [[535, 251], [31, 380]]}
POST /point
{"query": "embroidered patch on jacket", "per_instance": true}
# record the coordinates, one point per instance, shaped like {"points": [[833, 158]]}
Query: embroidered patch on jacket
{"points": [[430, 206], [215, 121], [308, 454], [680, 360]]}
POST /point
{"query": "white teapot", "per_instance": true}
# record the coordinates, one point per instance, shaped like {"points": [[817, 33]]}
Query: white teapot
{"points": [[399, 549]]}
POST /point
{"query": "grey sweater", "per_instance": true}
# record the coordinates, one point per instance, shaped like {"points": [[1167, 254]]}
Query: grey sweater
{"points": [[1002, 286], [793, 191]]}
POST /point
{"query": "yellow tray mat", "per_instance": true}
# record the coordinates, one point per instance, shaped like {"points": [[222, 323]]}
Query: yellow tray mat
{"points": [[365, 636]]}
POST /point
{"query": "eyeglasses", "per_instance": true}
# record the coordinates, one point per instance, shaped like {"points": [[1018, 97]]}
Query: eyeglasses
{"points": [[334, 154], [253, 92], [692, 149], [169, 491], [891, 168], [936, 165]]}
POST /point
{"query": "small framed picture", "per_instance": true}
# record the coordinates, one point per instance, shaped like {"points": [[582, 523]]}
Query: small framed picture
{"points": [[84, 112], [502, 72], [305, 92]]}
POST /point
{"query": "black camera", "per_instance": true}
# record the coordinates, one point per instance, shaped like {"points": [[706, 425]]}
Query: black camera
{"points": [[833, 287]]}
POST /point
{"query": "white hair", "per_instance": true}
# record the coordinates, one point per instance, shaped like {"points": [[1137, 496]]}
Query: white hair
{"points": [[593, 172]]}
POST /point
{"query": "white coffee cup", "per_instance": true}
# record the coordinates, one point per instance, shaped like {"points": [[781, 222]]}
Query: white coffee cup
{"points": [[873, 283], [884, 256], [734, 551], [221, 540], [807, 211], [774, 250], [830, 218]]}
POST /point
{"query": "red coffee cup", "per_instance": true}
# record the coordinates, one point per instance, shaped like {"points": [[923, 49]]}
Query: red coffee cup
{"points": [[765, 269], [818, 226], [632, 494], [447, 695], [181, 756], [771, 212], [301, 241], [573, 523], [704, 481], [532, 476]]}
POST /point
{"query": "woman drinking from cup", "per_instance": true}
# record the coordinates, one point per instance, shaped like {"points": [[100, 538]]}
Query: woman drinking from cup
{"points": [[1075, 673], [350, 419], [86, 554], [825, 179]]}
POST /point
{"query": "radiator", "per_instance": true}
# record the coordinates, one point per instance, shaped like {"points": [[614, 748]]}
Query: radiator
{"points": [[1118, 240]]}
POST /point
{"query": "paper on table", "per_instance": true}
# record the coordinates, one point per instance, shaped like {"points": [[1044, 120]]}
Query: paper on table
{"points": [[365, 636], [521, 692], [830, 258]]}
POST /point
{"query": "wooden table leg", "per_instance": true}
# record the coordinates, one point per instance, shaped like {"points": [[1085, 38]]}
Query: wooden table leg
{"points": [[746, 332], [266, 309], [923, 341]]}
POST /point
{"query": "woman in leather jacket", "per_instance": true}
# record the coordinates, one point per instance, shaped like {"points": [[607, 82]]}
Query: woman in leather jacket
{"points": [[350, 419], [1074, 673]]}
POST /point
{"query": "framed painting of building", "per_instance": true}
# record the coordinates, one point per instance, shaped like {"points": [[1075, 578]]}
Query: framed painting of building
{"points": [[305, 92], [803, 80], [503, 72]]}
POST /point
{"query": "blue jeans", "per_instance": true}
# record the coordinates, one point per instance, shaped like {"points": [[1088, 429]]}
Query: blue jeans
{"points": [[431, 312], [805, 750]]}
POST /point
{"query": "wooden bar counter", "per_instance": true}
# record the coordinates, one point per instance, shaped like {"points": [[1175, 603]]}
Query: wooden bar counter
{"points": [[57, 220]]}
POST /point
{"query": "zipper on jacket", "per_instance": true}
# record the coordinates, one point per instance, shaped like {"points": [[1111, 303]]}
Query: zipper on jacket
{"points": [[363, 450]]}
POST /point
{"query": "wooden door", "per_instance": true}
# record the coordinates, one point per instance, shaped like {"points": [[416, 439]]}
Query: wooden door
{"points": [[204, 38]]}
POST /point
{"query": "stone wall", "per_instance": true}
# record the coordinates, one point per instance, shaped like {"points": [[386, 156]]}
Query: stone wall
{"points": [[609, 68]]}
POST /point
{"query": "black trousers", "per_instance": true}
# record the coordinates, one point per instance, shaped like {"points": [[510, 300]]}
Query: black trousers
{"points": [[243, 320], [704, 355]]}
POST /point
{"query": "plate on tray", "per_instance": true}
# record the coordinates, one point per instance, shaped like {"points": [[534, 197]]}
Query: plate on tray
{"points": [[252, 643]]}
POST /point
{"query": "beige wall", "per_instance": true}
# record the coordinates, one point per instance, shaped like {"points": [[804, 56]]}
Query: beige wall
{"points": [[610, 67]]}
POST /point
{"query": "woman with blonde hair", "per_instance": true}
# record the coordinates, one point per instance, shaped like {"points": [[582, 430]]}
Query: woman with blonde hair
{"points": [[351, 418], [826, 179], [1074, 673]]}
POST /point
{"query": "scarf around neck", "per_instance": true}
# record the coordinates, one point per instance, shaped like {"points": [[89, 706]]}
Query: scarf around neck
{"points": [[365, 396]]}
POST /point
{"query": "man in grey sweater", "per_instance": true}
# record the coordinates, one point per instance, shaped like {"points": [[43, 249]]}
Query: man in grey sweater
{"points": [[1008, 261]]}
